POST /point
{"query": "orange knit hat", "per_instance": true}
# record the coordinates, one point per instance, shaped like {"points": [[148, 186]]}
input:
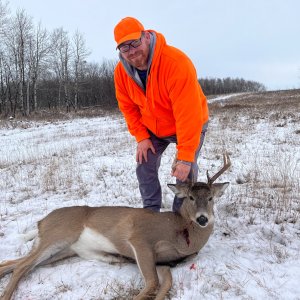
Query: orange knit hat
{"points": [[128, 29]]}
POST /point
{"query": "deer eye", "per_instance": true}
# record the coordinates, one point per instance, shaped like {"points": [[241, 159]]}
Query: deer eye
{"points": [[210, 198], [192, 198]]}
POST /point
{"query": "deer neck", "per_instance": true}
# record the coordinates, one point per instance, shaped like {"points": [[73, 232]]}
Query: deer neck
{"points": [[185, 212]]}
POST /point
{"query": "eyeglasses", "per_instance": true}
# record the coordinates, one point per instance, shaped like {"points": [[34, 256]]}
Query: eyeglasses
{"points": [[133, 44]]}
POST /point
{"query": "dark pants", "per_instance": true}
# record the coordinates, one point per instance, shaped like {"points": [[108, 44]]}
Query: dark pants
{"points": [[147, 173]]}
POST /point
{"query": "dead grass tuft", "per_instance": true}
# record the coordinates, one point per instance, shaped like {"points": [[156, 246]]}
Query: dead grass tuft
{"points": [[118, 290]]}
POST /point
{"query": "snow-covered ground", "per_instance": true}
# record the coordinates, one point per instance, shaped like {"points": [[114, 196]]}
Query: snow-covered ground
{"points": [[254, 252]]}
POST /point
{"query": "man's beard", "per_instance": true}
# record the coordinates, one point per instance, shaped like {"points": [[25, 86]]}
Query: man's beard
{"points": [[137, 59]]}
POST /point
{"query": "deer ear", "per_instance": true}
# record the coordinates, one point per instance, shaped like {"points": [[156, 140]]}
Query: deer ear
{"points": [[172, 187], [219, 188], [181, 191]]}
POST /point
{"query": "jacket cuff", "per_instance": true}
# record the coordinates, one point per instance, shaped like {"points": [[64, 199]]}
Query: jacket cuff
{"points": [[142, 136], [187, 163], [186, 156]]}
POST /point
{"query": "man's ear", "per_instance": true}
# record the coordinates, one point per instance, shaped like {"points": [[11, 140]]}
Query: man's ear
{"points": [[146, 35]]}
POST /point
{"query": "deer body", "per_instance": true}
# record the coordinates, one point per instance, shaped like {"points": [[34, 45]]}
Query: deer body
{"points": [[180, 238], [112, 234], [94, 236], [122, 234]]}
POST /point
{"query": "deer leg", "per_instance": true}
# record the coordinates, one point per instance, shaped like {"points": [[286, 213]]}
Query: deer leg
{"points": [[59, 256], [23, 265], [145, 260], [8, 266], [165, 281]]}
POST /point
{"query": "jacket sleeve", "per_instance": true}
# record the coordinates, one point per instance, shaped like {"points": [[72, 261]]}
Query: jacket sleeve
{"points": [[129, 109], [189, 112]]}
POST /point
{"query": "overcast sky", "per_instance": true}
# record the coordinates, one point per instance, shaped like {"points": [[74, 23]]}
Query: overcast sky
{"points": [[254, 39]]}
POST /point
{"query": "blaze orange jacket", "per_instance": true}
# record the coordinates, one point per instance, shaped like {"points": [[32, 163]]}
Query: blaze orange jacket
{"points": [[172, 104]]}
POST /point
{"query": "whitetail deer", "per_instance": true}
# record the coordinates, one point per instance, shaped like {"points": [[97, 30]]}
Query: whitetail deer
{"points": [[115, 234]]}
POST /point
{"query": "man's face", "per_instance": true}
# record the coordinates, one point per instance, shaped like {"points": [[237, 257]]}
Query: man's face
{"points": [[138, 57]]}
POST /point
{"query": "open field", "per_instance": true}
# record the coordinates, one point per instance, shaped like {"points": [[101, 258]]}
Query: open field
{"points": [[254, 252]]}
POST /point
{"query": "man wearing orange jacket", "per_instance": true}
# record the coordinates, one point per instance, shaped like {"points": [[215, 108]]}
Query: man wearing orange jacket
{"points": [[161, 99]]}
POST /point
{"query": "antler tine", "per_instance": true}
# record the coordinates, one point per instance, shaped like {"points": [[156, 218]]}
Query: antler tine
{"points": [[208, 178], [227, 164]]}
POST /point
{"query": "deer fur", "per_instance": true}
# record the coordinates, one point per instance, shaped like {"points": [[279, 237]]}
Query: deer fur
{"points": [[154, 240]]}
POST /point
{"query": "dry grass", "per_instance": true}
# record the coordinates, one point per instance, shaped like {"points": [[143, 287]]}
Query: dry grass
{"points": [[120, 290], [282, 106], [268, 188]]}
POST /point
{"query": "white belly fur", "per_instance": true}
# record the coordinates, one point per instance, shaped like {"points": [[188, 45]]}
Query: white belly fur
{"points": [[93, 245]]}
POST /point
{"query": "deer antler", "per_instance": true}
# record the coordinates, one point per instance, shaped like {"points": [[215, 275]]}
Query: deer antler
{"points": [[227, 164]]}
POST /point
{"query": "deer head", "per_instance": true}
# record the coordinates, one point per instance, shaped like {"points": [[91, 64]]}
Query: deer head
{"points": [[199, 196]]}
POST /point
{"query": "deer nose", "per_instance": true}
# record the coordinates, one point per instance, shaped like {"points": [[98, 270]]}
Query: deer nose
{"points": [[202, 220]]}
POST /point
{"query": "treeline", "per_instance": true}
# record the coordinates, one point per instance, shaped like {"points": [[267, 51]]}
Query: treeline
{"points": [[41, 69], [49, 70], [216, 86]]}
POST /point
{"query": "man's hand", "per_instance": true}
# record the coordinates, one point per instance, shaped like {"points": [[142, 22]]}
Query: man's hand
{"points": [[142, 149], [181, 171]]}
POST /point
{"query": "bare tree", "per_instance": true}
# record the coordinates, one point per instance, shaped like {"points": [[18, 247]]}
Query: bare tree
{"points": [[3, 24], [39, 52], [61, 56], [10, 57], [3, 16], [17, 39], [80, 54]]}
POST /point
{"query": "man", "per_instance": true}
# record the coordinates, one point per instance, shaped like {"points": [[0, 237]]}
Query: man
{"points": [[159, 95]]}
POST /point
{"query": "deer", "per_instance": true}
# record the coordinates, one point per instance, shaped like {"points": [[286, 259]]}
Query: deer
{"points": [[155, 241]]}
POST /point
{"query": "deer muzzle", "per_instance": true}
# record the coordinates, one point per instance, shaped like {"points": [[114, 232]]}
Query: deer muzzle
{"points": [[202, 220]]}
